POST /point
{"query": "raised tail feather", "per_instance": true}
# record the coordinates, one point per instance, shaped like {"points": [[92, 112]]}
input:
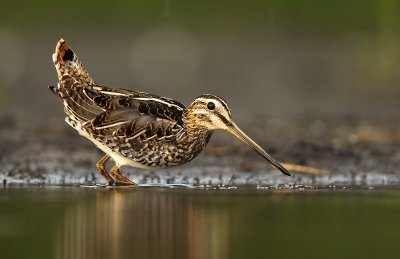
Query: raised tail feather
{"points": [[67, 63], [73, 81]]}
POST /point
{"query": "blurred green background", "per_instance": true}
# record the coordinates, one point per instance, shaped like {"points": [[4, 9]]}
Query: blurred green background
{"points": [[290, 58], [274, 61]]}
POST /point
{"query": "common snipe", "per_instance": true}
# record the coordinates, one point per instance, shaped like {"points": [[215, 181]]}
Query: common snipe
{"points": [[139, 129]]}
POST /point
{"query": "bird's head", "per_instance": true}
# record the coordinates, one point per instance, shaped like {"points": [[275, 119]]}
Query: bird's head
{"points": [[211, 112]]}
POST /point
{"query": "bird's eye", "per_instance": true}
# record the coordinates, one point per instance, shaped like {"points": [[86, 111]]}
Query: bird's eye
{"points": [[211, 106]]}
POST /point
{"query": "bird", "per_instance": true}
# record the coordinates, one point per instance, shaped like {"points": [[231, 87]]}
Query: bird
{"points": [[136, 128]]}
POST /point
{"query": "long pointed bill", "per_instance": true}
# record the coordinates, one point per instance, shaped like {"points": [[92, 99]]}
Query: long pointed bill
{"points": [[234, 129]]}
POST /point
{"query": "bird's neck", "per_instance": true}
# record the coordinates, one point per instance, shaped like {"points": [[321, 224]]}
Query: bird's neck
{"points": [[196, 134]]}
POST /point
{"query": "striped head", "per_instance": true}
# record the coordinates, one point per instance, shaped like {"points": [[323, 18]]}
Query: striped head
{"points": [[209, 112]]}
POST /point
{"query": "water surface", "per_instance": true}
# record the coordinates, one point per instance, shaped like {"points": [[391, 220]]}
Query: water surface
{"points": [[76, 222]]}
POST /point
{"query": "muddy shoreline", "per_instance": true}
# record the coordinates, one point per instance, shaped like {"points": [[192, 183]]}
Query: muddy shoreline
{"points": [[359, 155]]}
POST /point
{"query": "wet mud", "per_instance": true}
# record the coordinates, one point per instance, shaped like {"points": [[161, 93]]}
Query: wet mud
{"points": [[359, 155]]}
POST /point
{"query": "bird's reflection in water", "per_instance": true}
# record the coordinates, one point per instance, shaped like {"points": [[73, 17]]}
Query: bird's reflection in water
{"points": [[144, 224]]}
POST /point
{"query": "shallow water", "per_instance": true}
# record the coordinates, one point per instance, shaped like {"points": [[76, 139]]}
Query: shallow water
{"points": [[76, 222]]}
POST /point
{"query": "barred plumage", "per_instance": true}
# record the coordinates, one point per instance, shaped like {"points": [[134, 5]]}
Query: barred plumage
{"points": [[136, 128]]}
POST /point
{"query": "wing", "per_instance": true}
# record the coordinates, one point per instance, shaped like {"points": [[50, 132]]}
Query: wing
{"points": [[128, 128], [77, 105], [146, 104], [89, 101], [132, 117]]}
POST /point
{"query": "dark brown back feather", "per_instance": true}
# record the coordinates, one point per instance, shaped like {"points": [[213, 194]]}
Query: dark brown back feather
{"points": [[119, 113]]}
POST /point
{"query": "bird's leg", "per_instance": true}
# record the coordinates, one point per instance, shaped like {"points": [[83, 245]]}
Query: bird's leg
{"points": [[120, 179], [101, 167]]}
